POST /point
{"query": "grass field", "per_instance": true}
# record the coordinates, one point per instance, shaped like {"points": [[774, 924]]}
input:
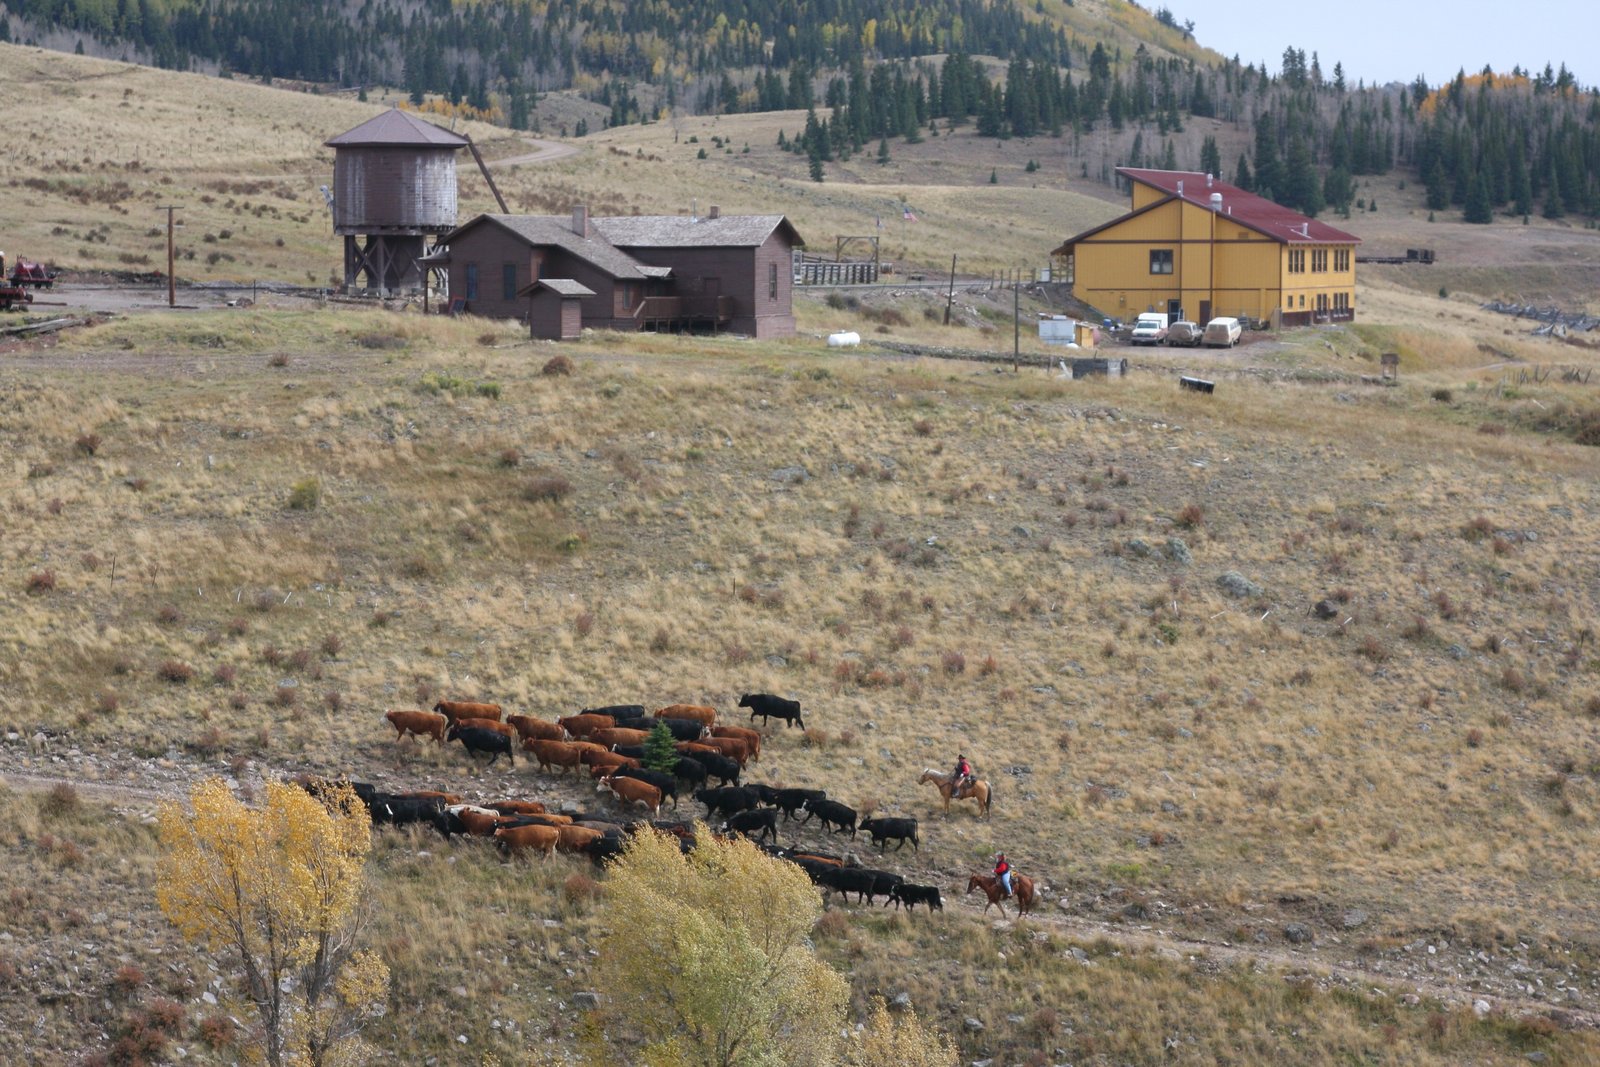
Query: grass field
{"points": [[931, 555], [234, 538]]}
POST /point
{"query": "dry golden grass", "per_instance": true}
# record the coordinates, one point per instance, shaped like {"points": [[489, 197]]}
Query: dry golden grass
{"points": [[1425, 755]]}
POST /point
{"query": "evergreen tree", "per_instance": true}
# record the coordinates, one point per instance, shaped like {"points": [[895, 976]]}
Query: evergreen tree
{"points": [[1169, 158], [1242, 176], [659, 753], [1478, 209], [1211, 156], [1337, 189], [1434, 179], [1301, 189], [816, 167], [1269, 172], [994, 177], [883, 152]]}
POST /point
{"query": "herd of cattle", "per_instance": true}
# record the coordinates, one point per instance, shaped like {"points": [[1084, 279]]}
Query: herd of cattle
{"points": [[609, 743]]}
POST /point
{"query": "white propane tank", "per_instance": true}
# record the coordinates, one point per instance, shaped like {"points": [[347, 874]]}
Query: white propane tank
{"points": [[844, 339]]}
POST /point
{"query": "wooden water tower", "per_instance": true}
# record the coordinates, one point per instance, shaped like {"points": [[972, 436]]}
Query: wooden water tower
{"points": [[394, 184]]}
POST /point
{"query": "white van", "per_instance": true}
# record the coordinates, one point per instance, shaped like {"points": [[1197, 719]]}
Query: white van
{"points": [[1222, 333]]}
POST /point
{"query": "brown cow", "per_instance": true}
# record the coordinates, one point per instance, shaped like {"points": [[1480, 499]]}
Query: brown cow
{"points": [[691, 747], [476, 821], [528, 726], [588, 746], [553, 754], [609, 760], [743, 733], [426, 794], [695, 712], [618, 735], [734, 748], [464, 709], [633, 791], [545, 819], [417, 724], [515, 839], [515, 807], [503, 728], [573, 838], [586, 724]]}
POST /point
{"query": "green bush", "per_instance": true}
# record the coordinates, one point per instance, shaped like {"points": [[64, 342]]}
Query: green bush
{"points": [[306, 495]]}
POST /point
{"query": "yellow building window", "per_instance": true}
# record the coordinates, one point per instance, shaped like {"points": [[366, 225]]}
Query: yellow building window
{"points": [[1161, 261], [1319, 261]]}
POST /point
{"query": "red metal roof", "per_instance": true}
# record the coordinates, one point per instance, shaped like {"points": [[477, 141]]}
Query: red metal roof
{"points": [[1247, 209], [398, 128]]}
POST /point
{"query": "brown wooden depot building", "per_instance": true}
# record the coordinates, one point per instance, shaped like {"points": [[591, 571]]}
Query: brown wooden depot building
{"points": [[631, 272]]}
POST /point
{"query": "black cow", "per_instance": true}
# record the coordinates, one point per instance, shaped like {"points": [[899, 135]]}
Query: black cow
{"points": [[728, 800], [862, 881], [631, 751], [762, 822], [722, 768], [660, 779], [476, 739], [912, 895], [792, 800], [682, 729], [320, 787], [770, 707], [390, 809], [831, 813], [883, 830], [766, 793], [690, 770], [617, 711], [604, 849]]}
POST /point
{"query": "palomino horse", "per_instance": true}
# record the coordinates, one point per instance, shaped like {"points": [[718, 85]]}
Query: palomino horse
{"points": [[1021, 886], [978, 790]]}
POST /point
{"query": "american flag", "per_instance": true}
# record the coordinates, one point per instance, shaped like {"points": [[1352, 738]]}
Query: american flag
{"points": [[908, 216]]}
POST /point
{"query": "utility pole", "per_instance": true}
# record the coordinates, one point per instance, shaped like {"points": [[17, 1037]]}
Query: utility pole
{"points": [[1016, 324], [951, 297], [172, 285]]}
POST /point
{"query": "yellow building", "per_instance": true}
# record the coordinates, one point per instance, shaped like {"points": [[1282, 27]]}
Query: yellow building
{"points": [[1199, 248]]}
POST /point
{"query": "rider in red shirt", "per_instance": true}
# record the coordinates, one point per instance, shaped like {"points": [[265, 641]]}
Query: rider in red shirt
{"points": [[963, 774], [1002, 871]]}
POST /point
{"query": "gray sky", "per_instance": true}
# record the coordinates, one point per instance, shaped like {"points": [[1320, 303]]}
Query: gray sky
{"points": [[1395, 40]]}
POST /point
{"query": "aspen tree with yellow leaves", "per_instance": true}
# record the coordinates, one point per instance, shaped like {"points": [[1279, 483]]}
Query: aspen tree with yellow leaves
{"points": [[708, 964], [277, 890]]}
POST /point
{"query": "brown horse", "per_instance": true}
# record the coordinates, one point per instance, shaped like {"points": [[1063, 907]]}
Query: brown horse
{"points": [[978, 790], [1021, 886]]}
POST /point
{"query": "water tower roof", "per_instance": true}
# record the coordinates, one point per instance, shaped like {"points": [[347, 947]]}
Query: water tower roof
{"points": [[398, 128]]}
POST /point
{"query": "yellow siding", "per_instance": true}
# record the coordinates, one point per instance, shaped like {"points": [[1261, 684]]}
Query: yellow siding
{"points": [[1215, 261]]}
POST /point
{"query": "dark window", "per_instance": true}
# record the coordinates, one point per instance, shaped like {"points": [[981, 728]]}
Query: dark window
{"points": [[1161, 261], [472, 281], [508, 281], [772, 281]]}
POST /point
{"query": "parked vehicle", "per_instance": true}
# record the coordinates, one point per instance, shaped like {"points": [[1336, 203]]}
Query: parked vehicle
{"points": [[35, 274], [12, 295], [1185, 333], [1222, 333], [1151, 329]]}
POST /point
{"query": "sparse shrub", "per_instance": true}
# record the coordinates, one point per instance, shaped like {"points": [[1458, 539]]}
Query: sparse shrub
{"points": [[1417, 629], [380, 619], [380, 341], [286, 696], [168, 615], [305, 495], [89, 561], [107, 702], [333, 700], [237, 626], [834, 923], [546, 487], [922, 428], [138, 484], [584, 623], [217, 1031], [488, 390], [816, 737], [847, 738], [209, 743], [1443, 396], [989, 666], [278, 359], [1492, 429], [299, 659], [1591, 707], [238, 701], [1477, 530], [557, 366], [332, 645], [1097, 796], [1446, 606], [661, 641], [1513, 680], [1474, 737], [1064, 741], [1373, 649], [953, 662], [87, 444], [60, 802], [41, 582], [580, 888], [175, 671], [510, 458], [1502, 547], [272, 656], [225, 674], [265, 601]]}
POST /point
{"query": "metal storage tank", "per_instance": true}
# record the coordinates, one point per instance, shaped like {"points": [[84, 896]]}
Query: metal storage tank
{"points": [[394, 183]]}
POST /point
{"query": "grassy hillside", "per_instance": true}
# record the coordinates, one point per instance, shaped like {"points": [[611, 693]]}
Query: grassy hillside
{"points": [[932, 556]]}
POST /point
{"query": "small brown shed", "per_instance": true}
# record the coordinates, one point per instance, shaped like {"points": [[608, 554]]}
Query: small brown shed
{"points": [[555, 308]]}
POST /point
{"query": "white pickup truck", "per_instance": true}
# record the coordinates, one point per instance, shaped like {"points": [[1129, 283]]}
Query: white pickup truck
{"points": [[1151, 329]]}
